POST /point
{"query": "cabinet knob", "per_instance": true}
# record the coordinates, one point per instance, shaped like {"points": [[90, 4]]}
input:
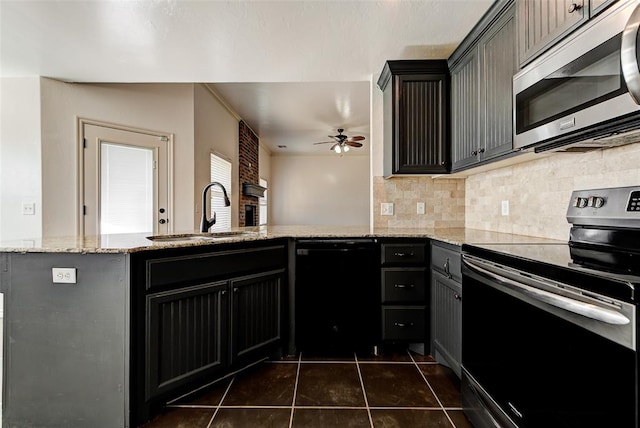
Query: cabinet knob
{"points": [[162, 221], [223, 292], [235, 289], [474, 153], [481, 150], [457, 296], [574, 7]]}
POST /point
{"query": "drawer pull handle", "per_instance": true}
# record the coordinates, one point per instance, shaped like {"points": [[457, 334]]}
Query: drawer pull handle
{"points": [[403, 286], [402, 324], [457, 296], [446, 269], [403, 254]]}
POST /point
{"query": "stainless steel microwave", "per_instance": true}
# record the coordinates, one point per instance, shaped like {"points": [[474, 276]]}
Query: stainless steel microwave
{"points": [[583, 94]]}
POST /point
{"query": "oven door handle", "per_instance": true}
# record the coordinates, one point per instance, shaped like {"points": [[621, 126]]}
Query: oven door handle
{"points": [[629, 55], [577, 307]]}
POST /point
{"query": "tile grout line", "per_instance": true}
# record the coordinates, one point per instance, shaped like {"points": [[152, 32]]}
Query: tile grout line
{"points": [[432, 390], [295, 390], [364, 393], [220, 402]]}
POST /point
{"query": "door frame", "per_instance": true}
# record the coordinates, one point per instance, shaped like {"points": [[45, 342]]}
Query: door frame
{"points": [[80, 123]]}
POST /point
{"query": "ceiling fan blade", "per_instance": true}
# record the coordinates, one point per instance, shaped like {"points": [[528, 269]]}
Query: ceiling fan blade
{"points": [[353, 144], [356, 138], [325, 142]]}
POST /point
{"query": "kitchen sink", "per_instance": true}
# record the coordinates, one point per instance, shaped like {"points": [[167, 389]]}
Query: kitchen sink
{"points": [[198, 236]]}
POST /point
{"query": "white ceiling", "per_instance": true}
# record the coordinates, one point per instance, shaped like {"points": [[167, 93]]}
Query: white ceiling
{"points": [[293, 70]]}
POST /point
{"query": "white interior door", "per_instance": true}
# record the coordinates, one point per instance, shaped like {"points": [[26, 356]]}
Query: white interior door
{"points": [[125, 181]]}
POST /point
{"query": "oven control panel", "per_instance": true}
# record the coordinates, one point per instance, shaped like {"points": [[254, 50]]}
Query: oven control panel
{"points": [[634, 201], [617, 207]]}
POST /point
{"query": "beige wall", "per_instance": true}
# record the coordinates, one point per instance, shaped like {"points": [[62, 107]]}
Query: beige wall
{"points": [[216, 130], [159, 107], [20, 158], [539, 191], [320, 190]]}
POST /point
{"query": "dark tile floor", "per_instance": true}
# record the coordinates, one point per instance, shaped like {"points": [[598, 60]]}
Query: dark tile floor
{"points": [[397, 390]]}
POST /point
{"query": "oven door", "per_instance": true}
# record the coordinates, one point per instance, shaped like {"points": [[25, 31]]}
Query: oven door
{"points": [[582, 82], [540, 361]]}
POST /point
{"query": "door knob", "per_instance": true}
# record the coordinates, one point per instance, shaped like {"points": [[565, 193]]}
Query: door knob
{"points": [[162, 221]]}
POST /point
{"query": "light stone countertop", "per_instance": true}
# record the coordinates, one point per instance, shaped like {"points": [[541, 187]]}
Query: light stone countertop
{"points": [[130, 243]]}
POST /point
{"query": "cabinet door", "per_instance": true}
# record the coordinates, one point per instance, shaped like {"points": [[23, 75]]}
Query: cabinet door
{"points": [[422, 124], [446, 321], [256, 321], [499, 64], [185, 336], [465, 106], [541, 23]]}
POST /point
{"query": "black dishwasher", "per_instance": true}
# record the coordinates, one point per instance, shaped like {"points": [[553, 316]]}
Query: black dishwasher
{"points": [[337, 295]]}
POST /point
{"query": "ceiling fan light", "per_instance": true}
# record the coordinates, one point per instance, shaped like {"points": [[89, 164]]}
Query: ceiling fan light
{"points": [[345, 148], [337, 148]]}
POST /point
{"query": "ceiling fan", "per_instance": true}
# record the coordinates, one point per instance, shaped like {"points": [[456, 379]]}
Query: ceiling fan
{"points": [[342, 143]]}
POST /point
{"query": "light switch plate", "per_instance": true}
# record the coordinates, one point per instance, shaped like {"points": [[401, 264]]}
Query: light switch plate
{"points": [[64, 275], [386, 208], [420, 207]]}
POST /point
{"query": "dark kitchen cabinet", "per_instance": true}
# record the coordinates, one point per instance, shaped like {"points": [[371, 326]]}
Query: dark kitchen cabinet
{"points": [[200, 313], [482, 72], [187, 336], [542, 23], [404, 290], [446, 305], [416, 117], [256, 314]]}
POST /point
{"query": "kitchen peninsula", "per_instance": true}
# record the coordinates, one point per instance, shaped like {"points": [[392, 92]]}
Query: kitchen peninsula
{"points": [[145, 320]]}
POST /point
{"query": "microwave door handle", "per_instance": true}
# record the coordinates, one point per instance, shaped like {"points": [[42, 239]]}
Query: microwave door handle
{"points": [[577, 307], [629, 55]]}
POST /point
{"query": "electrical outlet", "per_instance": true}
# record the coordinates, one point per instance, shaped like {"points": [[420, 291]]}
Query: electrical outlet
{"points": [[29, 208], [420, 208], [386, 208], [505, 208], [64, 275]]}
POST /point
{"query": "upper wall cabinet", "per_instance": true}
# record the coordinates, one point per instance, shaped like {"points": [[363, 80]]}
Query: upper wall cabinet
{"points": [[416, 116], [482, 70], [542, 23]]}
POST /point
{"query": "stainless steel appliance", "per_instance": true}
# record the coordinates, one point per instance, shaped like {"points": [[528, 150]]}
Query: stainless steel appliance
{"points": [[550, 330], [584, 93]]}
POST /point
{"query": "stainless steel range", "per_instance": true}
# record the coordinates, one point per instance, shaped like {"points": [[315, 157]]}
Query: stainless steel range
{"points": [[550, 331]]}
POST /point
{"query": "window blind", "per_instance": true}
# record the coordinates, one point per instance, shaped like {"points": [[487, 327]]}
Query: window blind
{"points": [[220, 172]]}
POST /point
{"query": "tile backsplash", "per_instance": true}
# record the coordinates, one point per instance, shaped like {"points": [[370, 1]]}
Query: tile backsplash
{"points": [[538, 191], [443, 198]]}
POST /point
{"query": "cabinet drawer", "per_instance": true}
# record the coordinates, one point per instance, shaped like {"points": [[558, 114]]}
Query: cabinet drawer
{"points": [[447, 260], [403, 254], [403, 285], [405, 323], [193, 269]]}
